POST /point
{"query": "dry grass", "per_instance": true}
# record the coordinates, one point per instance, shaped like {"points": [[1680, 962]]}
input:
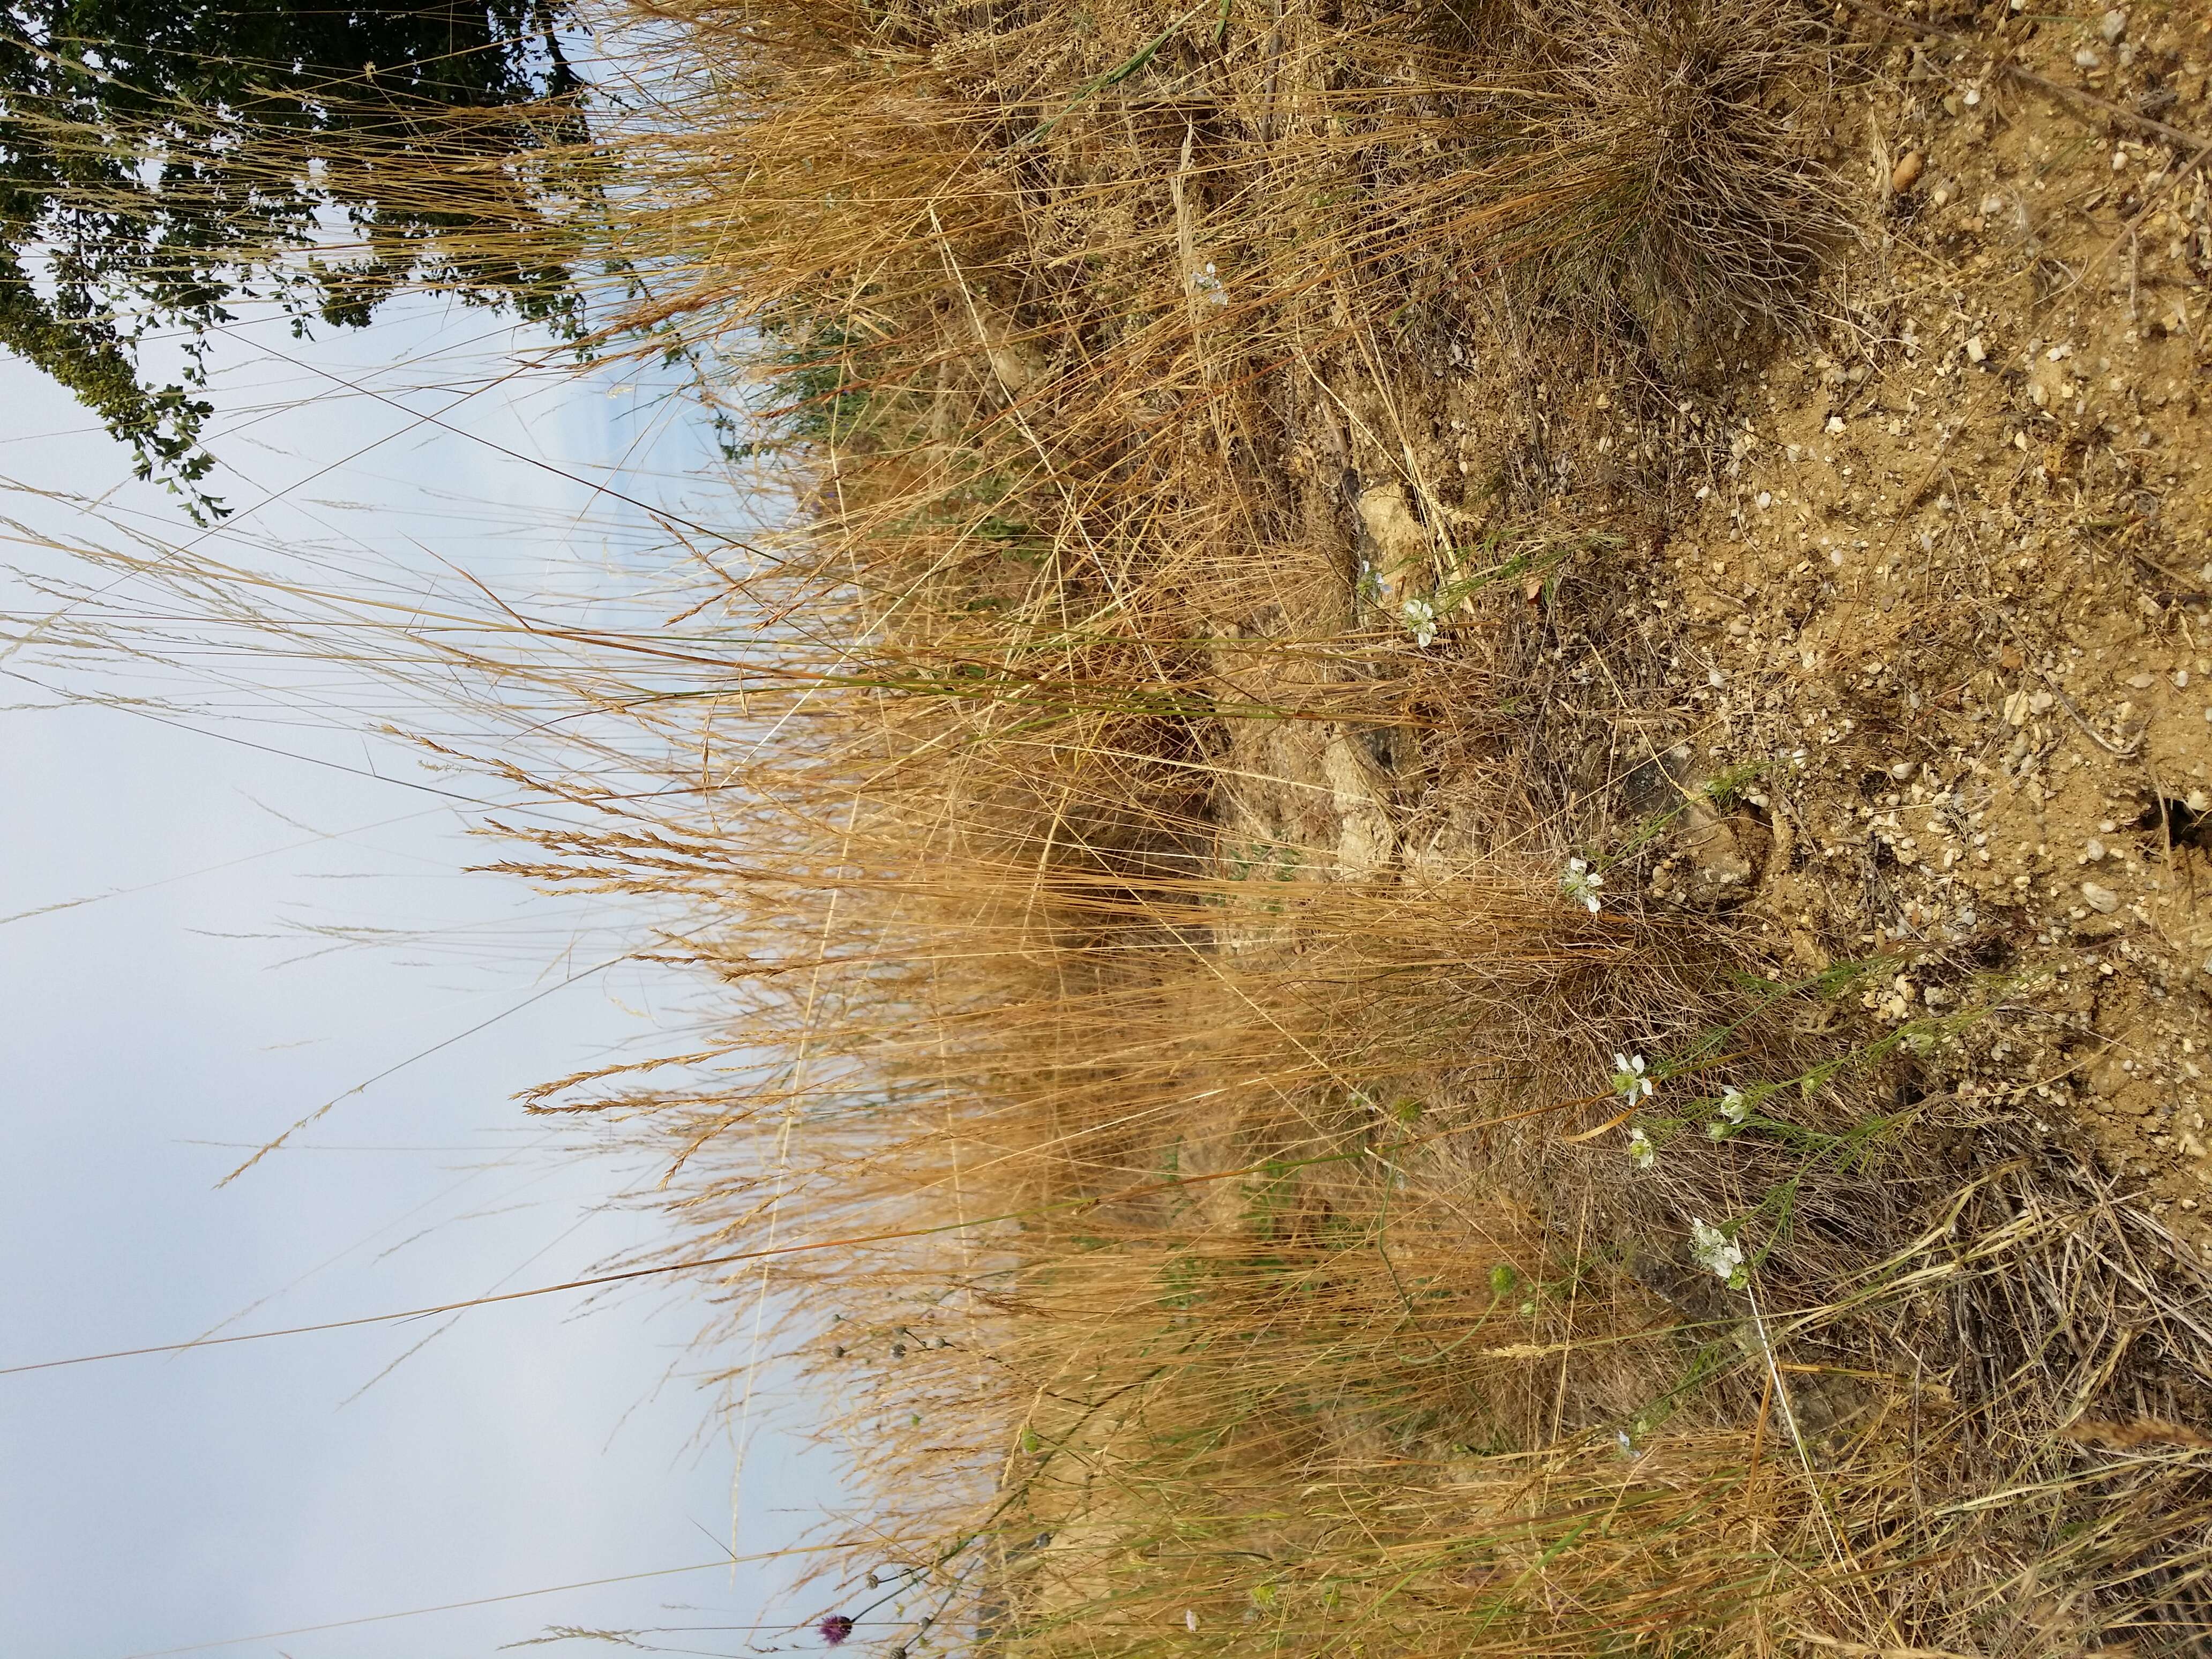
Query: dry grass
{"points": [[1157, 1030]]}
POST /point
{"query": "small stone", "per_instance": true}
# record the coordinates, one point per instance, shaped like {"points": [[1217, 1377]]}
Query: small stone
{"points": [[1903, 769], [2094, 850], [1907, 171], [2112, 25], [2181, 679], [2139, 682], [1835, 426], [2087, 58], [2103, 900], [1976, 351]]}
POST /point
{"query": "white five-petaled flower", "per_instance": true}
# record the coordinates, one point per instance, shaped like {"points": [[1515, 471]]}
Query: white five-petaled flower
{"points": [[1641, 1152], [1716, 1252], [1580, 884], [1628, 1079], [1733, 1110], [1420, 619]]}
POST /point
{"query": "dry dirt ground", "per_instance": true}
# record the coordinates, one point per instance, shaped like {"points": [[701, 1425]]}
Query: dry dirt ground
{"points": [[1929, 580]]}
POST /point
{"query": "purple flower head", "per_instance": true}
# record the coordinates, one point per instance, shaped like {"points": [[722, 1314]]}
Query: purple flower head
{"points": [[835, 1628]]}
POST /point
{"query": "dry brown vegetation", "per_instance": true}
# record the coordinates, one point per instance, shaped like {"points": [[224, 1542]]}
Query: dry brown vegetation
{"points": [[1161, 1046]]}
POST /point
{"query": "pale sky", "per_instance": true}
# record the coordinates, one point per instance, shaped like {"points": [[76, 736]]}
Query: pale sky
{"points": [[187, 1014]]}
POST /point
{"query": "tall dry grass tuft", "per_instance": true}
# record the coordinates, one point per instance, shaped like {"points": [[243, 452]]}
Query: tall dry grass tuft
{"points": [[1204, 1145]]}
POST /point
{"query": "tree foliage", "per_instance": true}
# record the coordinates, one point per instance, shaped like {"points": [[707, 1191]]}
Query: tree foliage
{"points": [[162, 159]]}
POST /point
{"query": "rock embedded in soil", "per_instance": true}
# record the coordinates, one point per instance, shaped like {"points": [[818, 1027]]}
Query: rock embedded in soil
{"points": [[2102, 900]]}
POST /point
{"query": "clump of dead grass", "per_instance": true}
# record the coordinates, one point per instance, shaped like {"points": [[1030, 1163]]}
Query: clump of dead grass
{"points": [[1706, 114]]}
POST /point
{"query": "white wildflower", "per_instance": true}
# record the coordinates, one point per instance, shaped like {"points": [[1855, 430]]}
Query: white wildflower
{"points": [[1717, 1252], [1628, 1079], [1733, 1110], [1580, 884], [1420, 619], [1641, 1152]]}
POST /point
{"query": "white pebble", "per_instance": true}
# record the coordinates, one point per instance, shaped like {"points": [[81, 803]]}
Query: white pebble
{"points": [[2103, 900], [2112, 25]]}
